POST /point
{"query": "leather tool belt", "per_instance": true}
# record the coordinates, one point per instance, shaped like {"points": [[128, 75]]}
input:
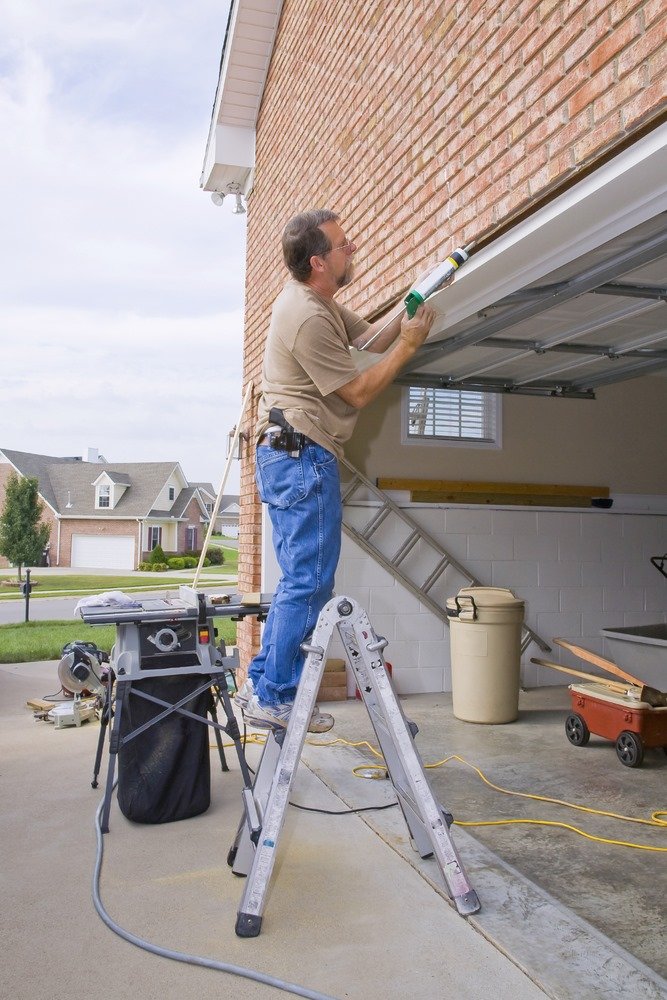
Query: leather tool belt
{"points": [[281, 436]]}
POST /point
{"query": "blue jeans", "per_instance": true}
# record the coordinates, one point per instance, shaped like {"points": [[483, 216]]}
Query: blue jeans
{"points": [[303, 497]]}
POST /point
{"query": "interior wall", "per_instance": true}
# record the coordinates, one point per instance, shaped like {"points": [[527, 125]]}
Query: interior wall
{"points": [[616, 440], [577, 572]]}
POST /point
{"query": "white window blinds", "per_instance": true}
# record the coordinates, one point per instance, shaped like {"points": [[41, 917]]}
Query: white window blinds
{"points": [[452, 415]]}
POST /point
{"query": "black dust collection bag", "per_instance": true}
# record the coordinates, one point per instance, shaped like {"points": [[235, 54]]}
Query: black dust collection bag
{"points": [[164, 773]]}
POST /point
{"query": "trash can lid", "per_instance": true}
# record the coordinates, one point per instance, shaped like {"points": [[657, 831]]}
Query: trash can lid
{"points": [[488, 597]]}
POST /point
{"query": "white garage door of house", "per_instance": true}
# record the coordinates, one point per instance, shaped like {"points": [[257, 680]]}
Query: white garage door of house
{"points": [[115, 552]]}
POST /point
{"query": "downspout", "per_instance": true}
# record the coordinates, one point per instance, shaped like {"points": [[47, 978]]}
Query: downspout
{"points": [[139, 549]]}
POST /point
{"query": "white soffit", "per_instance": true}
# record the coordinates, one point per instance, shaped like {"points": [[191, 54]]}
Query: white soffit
{"points": [[248, 46], [618, 196]]}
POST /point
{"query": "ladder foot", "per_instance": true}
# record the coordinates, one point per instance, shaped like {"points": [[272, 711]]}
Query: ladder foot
{"points": [[468, 903], [248, 925]]}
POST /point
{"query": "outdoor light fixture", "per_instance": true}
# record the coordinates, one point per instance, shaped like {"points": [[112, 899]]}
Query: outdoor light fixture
{"points": [[241, 441], [218, 197]]}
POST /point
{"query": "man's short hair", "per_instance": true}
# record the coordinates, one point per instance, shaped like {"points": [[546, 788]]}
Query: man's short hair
{"points": [[303, 239]]}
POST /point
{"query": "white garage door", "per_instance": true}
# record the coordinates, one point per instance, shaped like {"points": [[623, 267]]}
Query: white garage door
{"points": [[112, 552]]}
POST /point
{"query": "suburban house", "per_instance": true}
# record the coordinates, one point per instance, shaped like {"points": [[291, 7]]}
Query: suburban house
{"points": [[106, 515], [227, 520], [527, 437]]}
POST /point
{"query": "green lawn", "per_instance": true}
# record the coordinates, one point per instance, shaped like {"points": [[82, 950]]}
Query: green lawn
{"points": [[76, 584], [66, 583], [28, 641], [231, 555]]}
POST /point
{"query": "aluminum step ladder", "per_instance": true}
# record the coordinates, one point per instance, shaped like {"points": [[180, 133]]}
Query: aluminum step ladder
{"points": [[265, 804], [377, 536]]}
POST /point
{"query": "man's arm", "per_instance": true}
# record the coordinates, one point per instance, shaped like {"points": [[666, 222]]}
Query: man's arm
{"points": [[390, 325], [368, 385], [386, 329]]}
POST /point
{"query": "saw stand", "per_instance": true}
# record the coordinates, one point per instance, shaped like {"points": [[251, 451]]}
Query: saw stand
{"points": [[254, 849], [173, 637]]}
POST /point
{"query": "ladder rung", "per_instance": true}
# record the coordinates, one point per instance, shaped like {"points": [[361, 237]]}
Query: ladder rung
{"points": [[349, 490], [436, 574], [406, 547], [374, 523]]}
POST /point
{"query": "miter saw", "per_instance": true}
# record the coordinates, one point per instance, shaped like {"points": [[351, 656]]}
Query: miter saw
{"points": [[81, 674]]}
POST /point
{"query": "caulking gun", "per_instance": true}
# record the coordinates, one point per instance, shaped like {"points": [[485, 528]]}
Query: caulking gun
{"points": [[436, 279], [430, 284]]}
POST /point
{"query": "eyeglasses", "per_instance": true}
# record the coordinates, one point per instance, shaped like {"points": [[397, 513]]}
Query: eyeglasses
{"points": [[347, 247]]}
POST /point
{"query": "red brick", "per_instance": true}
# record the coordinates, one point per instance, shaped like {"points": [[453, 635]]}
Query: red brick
{"points": [[598, 138], [657, 66], [568, 84], [622, 8], [619, 95], [601, 83], [652, 11], [614, 43], [645, 106], [640, 50], [580, 47]]}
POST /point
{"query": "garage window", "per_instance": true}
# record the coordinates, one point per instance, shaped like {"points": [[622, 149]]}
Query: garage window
{"points": [[452, 416]]}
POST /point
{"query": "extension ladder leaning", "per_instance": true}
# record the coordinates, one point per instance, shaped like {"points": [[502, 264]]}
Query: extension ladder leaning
{"points": [[254, 850]]}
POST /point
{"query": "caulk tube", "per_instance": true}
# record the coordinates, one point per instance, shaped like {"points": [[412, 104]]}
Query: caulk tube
{"points": [[436, 279]]}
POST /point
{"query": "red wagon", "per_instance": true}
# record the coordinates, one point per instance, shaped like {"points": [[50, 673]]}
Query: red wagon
{"points": [[631, 724]]}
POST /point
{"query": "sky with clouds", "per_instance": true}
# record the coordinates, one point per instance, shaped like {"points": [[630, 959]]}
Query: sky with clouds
{"points": [[121, 284]]}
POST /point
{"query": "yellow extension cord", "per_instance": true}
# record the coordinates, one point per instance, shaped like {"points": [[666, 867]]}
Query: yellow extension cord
{"points": [[655, 820]]}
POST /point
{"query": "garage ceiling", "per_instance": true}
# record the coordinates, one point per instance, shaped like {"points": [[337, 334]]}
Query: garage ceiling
{"points": [[599, 319]]}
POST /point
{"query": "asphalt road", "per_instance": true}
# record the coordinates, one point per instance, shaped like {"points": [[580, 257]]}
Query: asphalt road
{"points": [[62, 608], [46, 608]]}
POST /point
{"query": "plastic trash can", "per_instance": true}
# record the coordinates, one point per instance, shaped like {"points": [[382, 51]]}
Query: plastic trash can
{"points": [[485, 641]]}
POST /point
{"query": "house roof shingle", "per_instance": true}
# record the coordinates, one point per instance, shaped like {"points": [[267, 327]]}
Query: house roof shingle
{"points": [[66, 484], [37, 467]]}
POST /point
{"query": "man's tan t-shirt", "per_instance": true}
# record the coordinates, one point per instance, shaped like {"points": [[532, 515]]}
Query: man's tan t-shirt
{"points": [[306, 359]]}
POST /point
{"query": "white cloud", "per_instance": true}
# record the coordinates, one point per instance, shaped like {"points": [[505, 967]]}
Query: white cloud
{"points": [[121, 315], [139, 388]]}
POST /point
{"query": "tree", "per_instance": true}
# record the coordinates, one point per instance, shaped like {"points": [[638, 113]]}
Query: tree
{"points": [[22, 537]]}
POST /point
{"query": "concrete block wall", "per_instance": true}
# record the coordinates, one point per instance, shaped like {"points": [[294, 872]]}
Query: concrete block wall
{"points": [[427, 125], [577, 571]]}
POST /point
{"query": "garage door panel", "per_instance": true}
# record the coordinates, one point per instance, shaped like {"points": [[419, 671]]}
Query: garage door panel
{"points": [[103, 552]]}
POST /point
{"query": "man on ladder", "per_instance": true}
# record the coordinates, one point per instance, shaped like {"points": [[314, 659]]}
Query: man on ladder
{"points": [[311, 395]]}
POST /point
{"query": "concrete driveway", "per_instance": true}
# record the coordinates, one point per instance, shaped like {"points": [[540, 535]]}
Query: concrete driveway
{"points": [[347, 916]]}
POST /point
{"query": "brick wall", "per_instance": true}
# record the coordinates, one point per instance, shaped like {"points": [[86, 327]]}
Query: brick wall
{"points": [[428, 125], [48, 517], [193, 515]]}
